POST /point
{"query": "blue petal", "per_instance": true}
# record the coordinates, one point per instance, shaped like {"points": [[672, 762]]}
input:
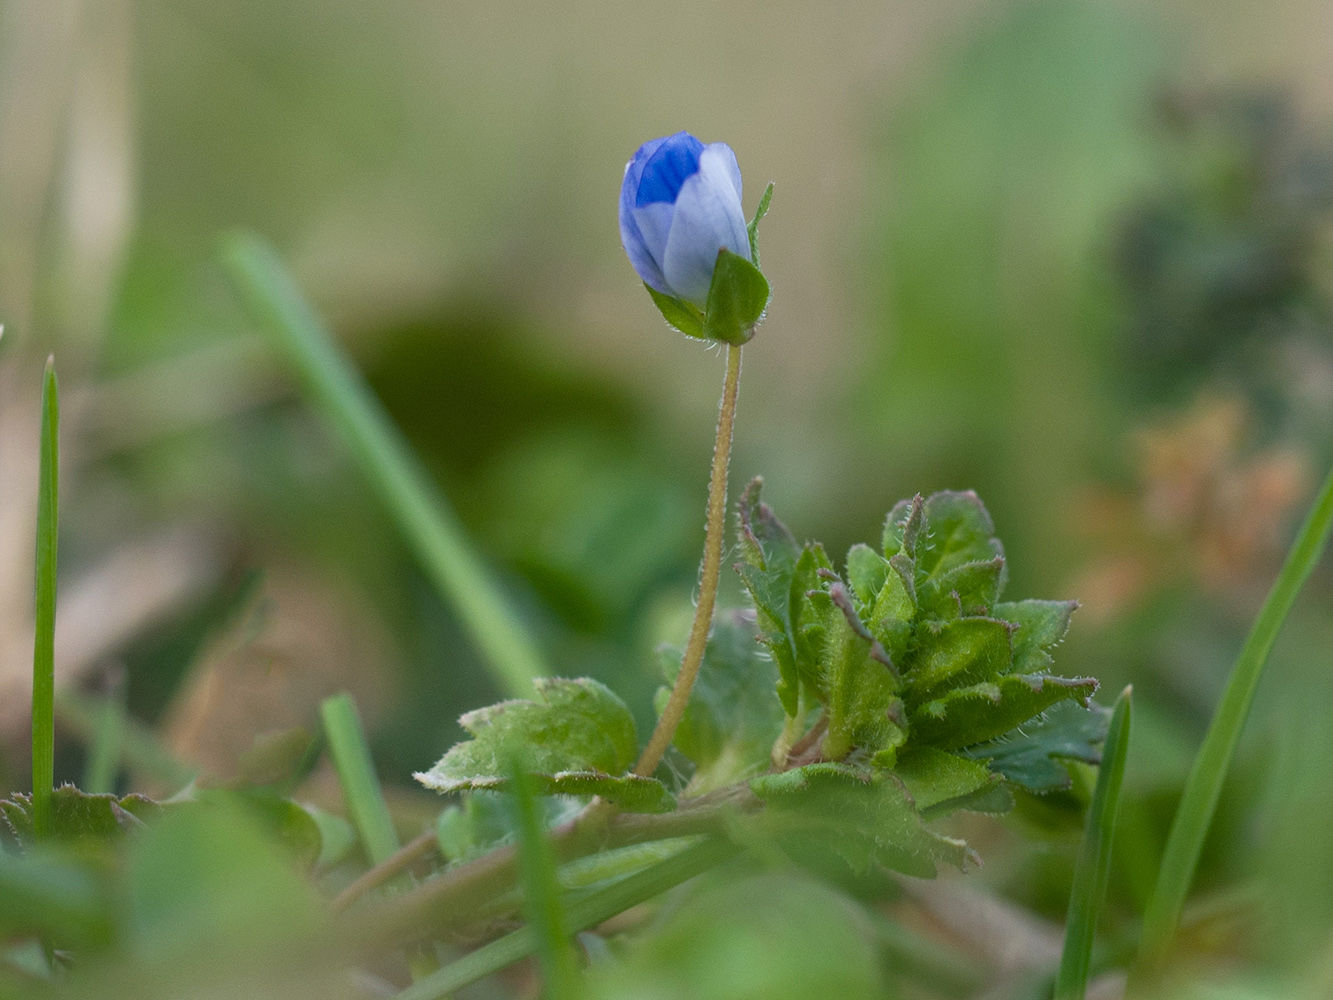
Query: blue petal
{"points": [[631, 236], [668, 167], [707, 218]]}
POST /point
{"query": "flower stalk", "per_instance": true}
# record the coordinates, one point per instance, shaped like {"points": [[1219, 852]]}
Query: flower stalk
{"points": [[708, 576]]}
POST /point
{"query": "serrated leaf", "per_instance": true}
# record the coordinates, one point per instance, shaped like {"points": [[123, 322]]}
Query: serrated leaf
{"points": [[941, 783], [737, 299], [957, 529], [966, 716], [957, 654], [79, 816], [1041, 625], [679, 314], [733, 715], [861, 689], [969, 589], [864, 818], [579, 739], [902, 528], [1031, 756], [770, 553]]}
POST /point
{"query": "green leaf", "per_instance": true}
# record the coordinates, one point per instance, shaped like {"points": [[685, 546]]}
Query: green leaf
{"points": [[941, 783], [859, 682], [1031, 756], [680, 315], [969, 589], [867, 572], [78, 816], [1093, 869], [734, 714], [579, 739], [753, 227], [737, 299], [902, 529], [43, 657], [956, 654], [356, 774], [1203, 789], [969, 715], [770, 554], [956, 529], [1041, 625], [864, 818]]}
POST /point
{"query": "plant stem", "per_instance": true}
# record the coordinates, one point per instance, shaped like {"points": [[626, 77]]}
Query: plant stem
{"points": [[397, 862], [1203, 788], [356, 773], [44, 643], [450, 900], [708, 576]]}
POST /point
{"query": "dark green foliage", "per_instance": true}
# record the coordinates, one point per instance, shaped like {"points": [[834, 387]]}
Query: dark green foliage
{"points": [[733, 712], [1033, 756]]}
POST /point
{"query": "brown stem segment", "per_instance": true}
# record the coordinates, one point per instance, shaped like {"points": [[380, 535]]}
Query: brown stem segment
{"points": [[400, 861], [708, 576]]}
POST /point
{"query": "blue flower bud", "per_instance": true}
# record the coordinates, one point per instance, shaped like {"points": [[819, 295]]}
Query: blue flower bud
{"points": [[680, 204]]}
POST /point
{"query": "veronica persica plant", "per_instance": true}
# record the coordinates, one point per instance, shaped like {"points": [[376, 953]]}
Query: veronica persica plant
{"points": [[683, 227]]}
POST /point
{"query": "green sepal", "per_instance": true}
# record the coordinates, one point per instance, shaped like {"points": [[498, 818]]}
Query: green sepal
{"points": [[753, 227], [970, 715], [578, 739], [862, 818], [679, 314], [737, 299]]}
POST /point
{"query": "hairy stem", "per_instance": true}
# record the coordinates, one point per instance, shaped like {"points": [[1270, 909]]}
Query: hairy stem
{"points": [[708, 576], [400, 861]]}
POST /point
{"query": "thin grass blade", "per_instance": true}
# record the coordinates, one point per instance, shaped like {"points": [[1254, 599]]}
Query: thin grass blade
{"points": [[1203, 788], [393, 471], [542, 905], [356, 774], [44, 643], [1094, 858]]}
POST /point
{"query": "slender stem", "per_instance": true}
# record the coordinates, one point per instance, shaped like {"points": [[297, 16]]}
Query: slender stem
{"points": [[1203, 788], [43, 657], [708, 576], [397, 862]]}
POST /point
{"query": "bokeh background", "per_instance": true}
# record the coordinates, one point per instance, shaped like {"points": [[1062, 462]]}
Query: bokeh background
{"points": [[1074, 255]]}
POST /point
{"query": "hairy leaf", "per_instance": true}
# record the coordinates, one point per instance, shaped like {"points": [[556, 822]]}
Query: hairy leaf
{"points": [[733, 715], [79, 816], [770, 553], [579, 739], [941, 783], [1041, 625], [957, 654], [1031, 756], [865, 819], [956, 529], [965, 716]]}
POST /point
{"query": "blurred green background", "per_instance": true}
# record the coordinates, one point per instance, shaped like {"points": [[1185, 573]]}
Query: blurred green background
{"points": [[1074, 255]]}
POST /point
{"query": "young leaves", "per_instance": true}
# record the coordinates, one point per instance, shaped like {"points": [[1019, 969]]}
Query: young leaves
{"points": [[578, 739]]}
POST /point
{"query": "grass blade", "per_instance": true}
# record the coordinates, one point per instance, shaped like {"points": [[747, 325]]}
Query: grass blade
{"points": [[542, 905], [356, 773], [138, 747], [589, 911], [1204, 785], [103, 766], [422, 513], [1094, 857], [44, 643]]}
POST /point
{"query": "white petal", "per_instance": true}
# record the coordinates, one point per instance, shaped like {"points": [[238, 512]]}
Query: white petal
{"points": [[654, 222], [708, 217]]}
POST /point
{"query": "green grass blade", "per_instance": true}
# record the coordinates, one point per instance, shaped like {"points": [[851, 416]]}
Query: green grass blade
{"points": [[1094, 857], [138, 747], [542, 905], [1204, 785], [103, 764], [356, 773], [589, 911], [422, 513], [44, 643]]}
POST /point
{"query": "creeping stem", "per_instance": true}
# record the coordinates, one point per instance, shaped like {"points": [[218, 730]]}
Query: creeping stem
{"points": [[712, 566]]}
